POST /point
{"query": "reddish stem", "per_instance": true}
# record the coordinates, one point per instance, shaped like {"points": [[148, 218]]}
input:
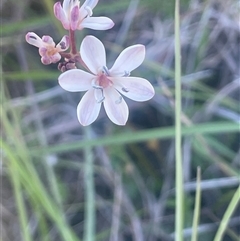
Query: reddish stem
{"points": [[72, 42]]}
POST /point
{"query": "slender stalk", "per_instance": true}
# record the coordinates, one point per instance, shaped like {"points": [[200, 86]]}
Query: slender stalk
{"points": [[72, 42], [89, 224], [197, 207], [179, 215], [227, 215]]}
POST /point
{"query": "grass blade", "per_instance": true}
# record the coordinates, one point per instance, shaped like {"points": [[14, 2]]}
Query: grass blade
{"points": [[226, 217], [89, 224], [197, 207], [179, 214]]}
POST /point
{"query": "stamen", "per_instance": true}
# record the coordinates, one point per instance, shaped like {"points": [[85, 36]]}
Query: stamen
{"points": [[105, 70], [89, 11], [119, 100], [101, 100], [126, 73], [98, 87]]}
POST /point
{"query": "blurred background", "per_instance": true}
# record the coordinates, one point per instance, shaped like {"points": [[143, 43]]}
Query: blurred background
{"points": [[45, 148]]}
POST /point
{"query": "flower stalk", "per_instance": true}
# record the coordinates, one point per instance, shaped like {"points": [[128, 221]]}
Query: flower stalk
{"points": [[72, 42]]}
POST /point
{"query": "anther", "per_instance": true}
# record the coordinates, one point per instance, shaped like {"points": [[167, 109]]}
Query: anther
{"points": [[126, 73], [101, 100], [125, 90], [63, 45], [119, 100]]}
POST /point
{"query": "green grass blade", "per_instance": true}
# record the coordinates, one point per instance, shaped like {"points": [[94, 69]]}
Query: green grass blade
{"points": [[226, 217], [197, 207], [89, 224], [19, 201], [179, 213], [125, 138]]}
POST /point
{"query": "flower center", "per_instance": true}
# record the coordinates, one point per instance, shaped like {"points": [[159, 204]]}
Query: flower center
{"points": [[103, 81], [51, 50], [100, 83]]}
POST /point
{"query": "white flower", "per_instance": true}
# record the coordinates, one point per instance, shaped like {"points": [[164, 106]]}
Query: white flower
{"points": [[48, 50], [106, 86], [73, 17]]}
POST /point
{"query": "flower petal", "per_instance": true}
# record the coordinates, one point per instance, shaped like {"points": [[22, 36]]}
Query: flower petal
{"points": [[55, 58], [88, 109], [46, 60], [88, 4], [75, 80], [96, 23], [42, 51], [93, 53], [60, 15], [135, 88], [48, 40], [66, 5], [69, 4], [34, 39], [115, 106], [128, 60], [74, 17]]}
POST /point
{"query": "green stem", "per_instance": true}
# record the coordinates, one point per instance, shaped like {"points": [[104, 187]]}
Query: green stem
{"points": [[19, 201], [179, 216], [197, 207], [89, 224], [227, 215]]}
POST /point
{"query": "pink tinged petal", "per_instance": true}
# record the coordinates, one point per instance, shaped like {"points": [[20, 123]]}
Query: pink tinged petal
{"points": [[48, 40], [74, 18], [63, 44], [115, 106], [42, 51], [55, 58], [46, 60], [134, 88], [75, 80], [88, 108], [60, 15], [34, 39], [96, 23], [69, 4], [93, 53], [128, 60]]}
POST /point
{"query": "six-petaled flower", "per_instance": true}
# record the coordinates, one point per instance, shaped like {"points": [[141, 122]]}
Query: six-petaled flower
{"points": [[105, 85], [48, 50], [74, 17]]}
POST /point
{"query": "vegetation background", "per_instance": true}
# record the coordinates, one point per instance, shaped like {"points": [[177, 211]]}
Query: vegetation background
{"points": [[60, 180]]}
